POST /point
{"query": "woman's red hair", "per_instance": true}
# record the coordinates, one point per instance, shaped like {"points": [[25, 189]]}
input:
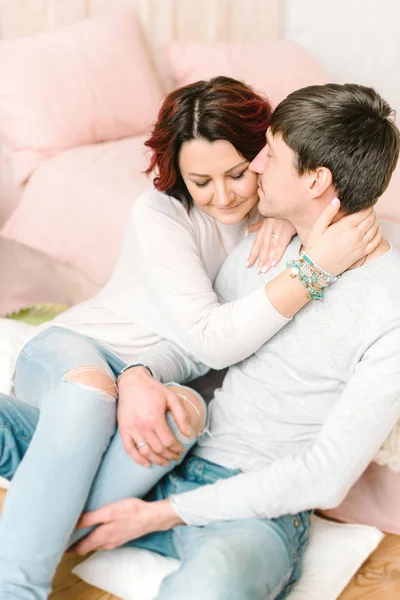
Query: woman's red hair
{"points": [[219, 109]]}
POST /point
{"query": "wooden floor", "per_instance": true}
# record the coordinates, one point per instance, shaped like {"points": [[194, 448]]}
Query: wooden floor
{"points": [[377, 579]]}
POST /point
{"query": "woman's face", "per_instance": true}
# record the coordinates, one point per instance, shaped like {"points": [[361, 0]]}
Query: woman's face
{"points": [[218, 179]]}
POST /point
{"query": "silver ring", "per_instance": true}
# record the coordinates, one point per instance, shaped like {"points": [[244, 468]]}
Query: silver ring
{"points": [[367, 235], [275, 235], [141, 445]]}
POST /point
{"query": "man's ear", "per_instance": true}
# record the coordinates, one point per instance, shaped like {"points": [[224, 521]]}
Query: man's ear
{"points": [[318, 181]]}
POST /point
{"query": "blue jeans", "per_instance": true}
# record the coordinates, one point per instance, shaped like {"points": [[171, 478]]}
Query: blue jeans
{"points": [[73, 458], [246, 559]]}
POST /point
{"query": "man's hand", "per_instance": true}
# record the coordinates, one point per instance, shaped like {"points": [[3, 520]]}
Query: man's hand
{"points": [[123, 521], [142, 406]]}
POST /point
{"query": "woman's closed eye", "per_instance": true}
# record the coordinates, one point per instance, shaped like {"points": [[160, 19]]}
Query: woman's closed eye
{"points": [[235, 177]]}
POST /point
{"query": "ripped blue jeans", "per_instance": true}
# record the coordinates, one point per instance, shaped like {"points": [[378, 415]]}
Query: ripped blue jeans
{"points": [[60, 446], [243, 559]]}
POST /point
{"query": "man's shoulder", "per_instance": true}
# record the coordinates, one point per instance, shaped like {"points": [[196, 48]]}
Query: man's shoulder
{"points": [[368, 297], [244, 280], [387, 269], [382, 275]]}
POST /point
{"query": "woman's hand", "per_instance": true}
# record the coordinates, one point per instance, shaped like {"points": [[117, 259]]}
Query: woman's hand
{"points": [[337, 247], [272, 239], [142, 406], [124, 520]]}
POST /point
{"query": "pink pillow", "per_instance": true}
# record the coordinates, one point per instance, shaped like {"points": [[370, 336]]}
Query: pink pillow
{"points": [[373, 500], [275, 68], [76, 205], [28, 277], [90, 82]]}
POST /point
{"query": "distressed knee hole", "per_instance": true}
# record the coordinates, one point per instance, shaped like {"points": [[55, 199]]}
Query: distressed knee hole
{"points": [[93, 377], [194, 407]]}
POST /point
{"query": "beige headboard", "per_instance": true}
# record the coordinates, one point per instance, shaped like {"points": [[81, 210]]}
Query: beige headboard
{"points": [[163, 20]]}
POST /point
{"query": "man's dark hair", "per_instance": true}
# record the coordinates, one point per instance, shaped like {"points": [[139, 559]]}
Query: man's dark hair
{"points": [[348, 129]]}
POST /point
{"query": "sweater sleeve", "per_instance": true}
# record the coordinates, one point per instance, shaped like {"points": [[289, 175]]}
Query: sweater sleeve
{"points": [[170, 363], [321, 475], [177, 300]]}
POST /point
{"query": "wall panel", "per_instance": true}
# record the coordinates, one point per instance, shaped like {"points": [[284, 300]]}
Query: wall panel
{"points": [[197, 20], [356, 41]]}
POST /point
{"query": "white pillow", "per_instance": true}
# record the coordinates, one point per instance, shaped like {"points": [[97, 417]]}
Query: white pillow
{"points": [[12, 335], [335, 553]]}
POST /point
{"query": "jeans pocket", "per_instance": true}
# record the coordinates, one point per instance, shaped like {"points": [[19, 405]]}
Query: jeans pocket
{"points": [[304, 519], [294, 529]]}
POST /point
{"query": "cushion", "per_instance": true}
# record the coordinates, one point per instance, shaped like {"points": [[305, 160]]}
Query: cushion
{"points": [[12, 336], [373, 500], [28, 277], [275, 68], [86, 83], [334, 554], [10, 193], [76, 205]]}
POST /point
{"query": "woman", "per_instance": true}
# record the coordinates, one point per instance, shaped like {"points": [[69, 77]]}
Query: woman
{"points": [[203, 141]]}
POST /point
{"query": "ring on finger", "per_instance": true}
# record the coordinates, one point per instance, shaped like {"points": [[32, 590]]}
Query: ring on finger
{"points": [[276, 236], [141, 445], [368, 236]]}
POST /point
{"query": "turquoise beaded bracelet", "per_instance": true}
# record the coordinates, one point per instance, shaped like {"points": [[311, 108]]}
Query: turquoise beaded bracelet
{"points": [[309, 283], [314, 278], [327, 276]]}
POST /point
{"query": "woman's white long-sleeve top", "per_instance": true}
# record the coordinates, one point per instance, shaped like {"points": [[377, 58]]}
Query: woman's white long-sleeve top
{"points": [[162, 288]]}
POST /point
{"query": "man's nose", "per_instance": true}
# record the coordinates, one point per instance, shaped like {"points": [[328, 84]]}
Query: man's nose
{"points": [[257, 165]]}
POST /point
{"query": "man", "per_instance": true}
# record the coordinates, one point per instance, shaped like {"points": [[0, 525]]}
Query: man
{"points": [[295, 424]]}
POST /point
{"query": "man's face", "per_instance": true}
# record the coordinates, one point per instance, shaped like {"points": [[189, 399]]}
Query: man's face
{"points": [[280, 187]]}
